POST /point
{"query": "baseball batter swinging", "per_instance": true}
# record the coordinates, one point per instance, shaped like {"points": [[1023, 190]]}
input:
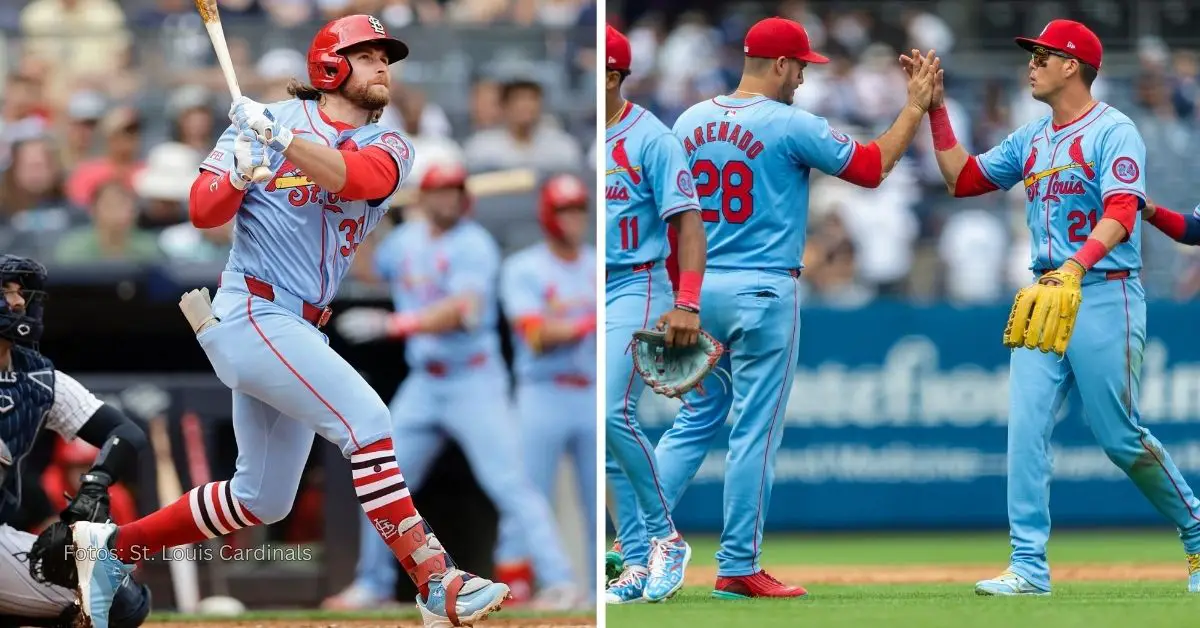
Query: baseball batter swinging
{"points": [[1081, 167], [647, 185], [37, 587], [295, 238], [442, 271]]}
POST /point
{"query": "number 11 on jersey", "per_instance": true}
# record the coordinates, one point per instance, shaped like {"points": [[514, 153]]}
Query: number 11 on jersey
{"points": [[629, 232]]}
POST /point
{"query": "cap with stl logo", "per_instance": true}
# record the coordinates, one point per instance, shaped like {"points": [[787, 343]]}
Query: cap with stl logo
{"points": [[1070, 38], [616, 48], [777, 37]]}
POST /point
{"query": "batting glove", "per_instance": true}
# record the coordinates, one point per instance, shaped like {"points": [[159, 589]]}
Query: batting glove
{"points": [[248, 153], [248, 114], [361, 324]]}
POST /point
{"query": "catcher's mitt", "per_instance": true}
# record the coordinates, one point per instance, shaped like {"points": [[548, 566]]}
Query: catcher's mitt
{"points": [[673, 371], [1043, 315], [52, 557]]}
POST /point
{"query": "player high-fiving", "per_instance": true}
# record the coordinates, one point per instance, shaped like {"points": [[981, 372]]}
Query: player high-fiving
{"points": [[1082, 171]]}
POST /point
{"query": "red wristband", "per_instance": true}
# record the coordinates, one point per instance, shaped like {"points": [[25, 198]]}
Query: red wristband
{"points": [[1169, 222], [401, 325], [585, 326], [1090, 253], [943, 133], [688, 294]]}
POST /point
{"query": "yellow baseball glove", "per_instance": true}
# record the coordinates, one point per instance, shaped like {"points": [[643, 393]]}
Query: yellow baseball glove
{"points": [[1043, 315]]}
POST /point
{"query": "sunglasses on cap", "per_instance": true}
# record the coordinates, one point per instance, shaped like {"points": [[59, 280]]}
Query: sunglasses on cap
{"points": [[1041, 54]]}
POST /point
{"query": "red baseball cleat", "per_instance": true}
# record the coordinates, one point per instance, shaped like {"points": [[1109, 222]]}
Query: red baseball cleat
{"points": [[519, 578], [760, 584]]}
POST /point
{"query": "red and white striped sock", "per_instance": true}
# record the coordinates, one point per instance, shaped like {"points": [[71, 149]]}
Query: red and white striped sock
{"points": [[204, 512], [385, 498]]}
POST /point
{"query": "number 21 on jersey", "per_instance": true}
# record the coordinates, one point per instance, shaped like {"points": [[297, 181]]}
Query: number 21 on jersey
{"points": [[735, 182]]}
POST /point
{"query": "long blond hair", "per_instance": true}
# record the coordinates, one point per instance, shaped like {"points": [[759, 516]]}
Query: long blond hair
{"points": [[304, 91]]}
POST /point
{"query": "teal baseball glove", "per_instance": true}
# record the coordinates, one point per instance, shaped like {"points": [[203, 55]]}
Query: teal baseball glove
{"points": [[673, 371]]}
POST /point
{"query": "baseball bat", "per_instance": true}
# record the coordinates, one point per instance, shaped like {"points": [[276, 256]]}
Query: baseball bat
{"points": [[198, 471], [483, 184], [216, 34], [185, 577]]}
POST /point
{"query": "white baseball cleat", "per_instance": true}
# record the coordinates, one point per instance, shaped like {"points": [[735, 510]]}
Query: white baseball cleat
{"points": [[1007, 584]]}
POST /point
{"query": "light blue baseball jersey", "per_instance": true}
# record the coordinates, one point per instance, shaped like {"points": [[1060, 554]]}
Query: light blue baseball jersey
{"points": [[751, 159], [536, 282], [647, 180], [291, 233], [1068, 173], [423, 269]]}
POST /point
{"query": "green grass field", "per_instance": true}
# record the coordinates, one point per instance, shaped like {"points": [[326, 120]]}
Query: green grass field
{"points": [[1132, 579]]}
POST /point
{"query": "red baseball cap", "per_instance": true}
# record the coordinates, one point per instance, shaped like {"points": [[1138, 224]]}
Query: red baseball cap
{"points": [[444, 175], [777, 37], [616, 48], [1070, 38]]}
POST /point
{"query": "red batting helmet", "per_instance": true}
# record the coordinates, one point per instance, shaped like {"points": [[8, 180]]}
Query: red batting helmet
{"points": [[559, 192], [327, 68], [448, 175]]}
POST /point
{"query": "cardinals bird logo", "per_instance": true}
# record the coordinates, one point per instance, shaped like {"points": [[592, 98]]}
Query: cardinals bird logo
{"points": [[1027, 174], [1075, 152], [622, 158]]}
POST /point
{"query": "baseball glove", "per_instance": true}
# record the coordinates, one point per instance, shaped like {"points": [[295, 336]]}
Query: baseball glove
{"points": [[51, 558], [673, 371], [1043, 315]]}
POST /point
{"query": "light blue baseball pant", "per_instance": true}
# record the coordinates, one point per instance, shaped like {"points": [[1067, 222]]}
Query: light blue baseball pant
{"points": [[631, 530], [287, 386], [472, 409], [1104, 359], [634, 299], [756, 315], [556, 420]]}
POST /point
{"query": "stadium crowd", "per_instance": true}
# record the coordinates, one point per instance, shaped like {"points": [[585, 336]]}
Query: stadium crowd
{"points": [[908, 238], [108, 108]]}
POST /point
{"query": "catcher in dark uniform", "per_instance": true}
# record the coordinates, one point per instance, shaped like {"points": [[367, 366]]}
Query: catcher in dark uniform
{"points": [[37, 578]]}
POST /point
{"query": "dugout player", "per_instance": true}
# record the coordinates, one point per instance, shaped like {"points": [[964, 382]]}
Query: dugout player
{"points": [[751, 153], [33, 395], [296, 234], [1081, 167], [442, 272], [549, 295]]}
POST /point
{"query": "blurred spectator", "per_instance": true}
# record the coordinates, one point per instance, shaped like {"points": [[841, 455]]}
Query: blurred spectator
{"points": [[527, 138], [276, 69], [84, 111], [1185, 86], [23, 112], [165, 183], [113, 234], [974, 255], [829, 273], [121, 129], [485, 109], [185, 243], [193, 122], [425, 125], [34, 181], [86, 40]]}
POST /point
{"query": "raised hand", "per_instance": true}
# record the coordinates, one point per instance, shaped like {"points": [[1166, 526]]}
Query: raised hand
{"points": [[914, 66], [249, 154]]}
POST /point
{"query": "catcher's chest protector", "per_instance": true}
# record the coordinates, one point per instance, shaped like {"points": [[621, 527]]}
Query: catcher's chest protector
{"points": [[26, 394]]}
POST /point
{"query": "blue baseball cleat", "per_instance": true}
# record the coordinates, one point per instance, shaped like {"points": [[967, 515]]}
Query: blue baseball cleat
{"points": [[1193, 561], [628, 588], [100, 571], [457, 598], [1007, 584], [668, 562]]}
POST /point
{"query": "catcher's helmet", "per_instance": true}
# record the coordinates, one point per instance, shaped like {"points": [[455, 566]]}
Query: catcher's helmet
{"points": [[558, 192], [22, 326], [327, 67]]}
